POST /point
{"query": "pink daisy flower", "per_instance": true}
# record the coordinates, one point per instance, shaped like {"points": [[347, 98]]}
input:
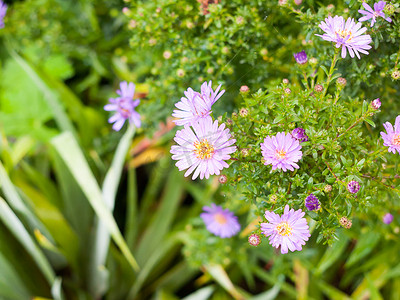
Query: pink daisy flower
{"points": [[391, 139], [349, 35], [124, 107], [220, 222], [373, 13], [196, 105], [290, 231], [281, 151], [203, 149]]}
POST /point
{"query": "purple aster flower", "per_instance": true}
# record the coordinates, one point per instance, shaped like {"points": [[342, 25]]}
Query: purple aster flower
{"points": [[3, 10], [299, 134], [373, 13], [347, 34], [219, 221], [290, 231], [376, 103], [353, 187], [388, 218], [281, 151], [196, 105], [301, 57], [391, 139], [312, 202], [203, 149], [124, 107]]}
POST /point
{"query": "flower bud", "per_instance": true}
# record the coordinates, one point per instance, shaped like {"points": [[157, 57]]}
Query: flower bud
{"points": [[234, 115], [312, 202], [376, 104], [353, 187], [396, 74], [245, 152], [327, 188], [273, 198], [222, 179], [346, 223], [254, 240], [244, 89], [180, 73], [313, 61], [341, 82], [167, 54], [318, 88], [389, 10], [301, 57], [243, 112], [285, 81]]}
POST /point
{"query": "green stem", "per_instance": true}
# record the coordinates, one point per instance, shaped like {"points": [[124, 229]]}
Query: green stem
{"points": [[360, 119], [331, 70]]}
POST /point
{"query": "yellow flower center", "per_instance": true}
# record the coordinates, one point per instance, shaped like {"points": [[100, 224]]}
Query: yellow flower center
{"points": [[220, 218], [203, 149], [283, 228], [344, 34], [396, 140], [279, 154]]}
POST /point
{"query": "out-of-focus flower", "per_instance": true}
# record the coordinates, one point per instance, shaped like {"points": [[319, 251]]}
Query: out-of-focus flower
{"points": [[281, 151], [387, 218], [318, 88], [220, 222], [373, 13], [301, 57], [3, 11], [348, 35], [391, 139], [124, 106], [290, 231], [203, 149], [196, 105]]}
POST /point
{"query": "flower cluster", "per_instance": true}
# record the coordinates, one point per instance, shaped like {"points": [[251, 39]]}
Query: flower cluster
{"points": [[203, 145]]}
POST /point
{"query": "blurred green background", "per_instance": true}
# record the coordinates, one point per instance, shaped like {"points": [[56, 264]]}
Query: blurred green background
{"points": [[89, 213]]}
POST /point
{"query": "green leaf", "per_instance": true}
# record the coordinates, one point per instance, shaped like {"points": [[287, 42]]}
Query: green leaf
{"points": [[17, 228], [370, 122], [67, 147], [102, 237], [365, 244]]}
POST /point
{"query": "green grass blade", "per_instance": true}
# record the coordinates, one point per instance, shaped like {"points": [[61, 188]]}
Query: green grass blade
{"points": [[109, 191], [17, 228], [68, 149], [18, 204]]}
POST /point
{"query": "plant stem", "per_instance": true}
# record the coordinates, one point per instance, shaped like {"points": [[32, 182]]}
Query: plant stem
{"points": [[360, 119], [331, 70]]}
